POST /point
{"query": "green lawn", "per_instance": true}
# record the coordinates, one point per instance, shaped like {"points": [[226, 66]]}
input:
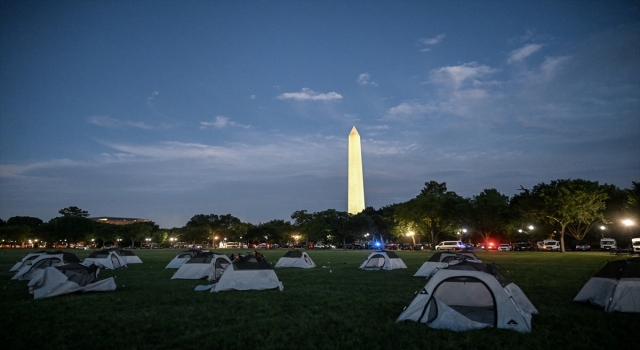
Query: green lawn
{"points": [[338, 307]]}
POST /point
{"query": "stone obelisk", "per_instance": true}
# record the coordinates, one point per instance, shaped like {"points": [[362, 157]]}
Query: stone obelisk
{"points": [[355, 201]]}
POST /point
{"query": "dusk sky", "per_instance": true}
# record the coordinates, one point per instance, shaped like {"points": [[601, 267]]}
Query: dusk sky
{"points": [[167, 109]]}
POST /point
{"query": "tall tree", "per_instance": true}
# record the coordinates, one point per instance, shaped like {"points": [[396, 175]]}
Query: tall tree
{"points": [[73, 229], [489, 213], [73, 211], [217, 225], [25, 220], [302, 221]]}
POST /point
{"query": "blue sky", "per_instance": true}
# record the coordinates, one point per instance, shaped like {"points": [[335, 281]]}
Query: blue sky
{"points": [[167, 109]]}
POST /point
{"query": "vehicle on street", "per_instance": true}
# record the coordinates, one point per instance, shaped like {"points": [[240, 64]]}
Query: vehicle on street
{"points": [[81, 247], [318, 246], [522, 246], [635, 245], [405, 247], [504, 247], [451, 245], [392, 246], [551, 245], [582, 245], [608, 244], [418, 247]]}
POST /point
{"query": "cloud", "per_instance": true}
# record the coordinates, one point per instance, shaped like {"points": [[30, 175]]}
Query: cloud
{"points": [[407, 111], [221, 122], [309, 95], [113, 123], [426, 43], [457, 75], [523, 52], [364, 79]]}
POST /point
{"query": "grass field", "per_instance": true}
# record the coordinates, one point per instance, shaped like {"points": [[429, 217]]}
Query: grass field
{"points": [[338, 307]]}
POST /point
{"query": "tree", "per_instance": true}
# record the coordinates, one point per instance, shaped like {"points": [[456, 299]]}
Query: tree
{"points": [[73, 211], [136, 231], [216, 225], [73, 229], [15, 233], [489, 213], [24, 220], [571, 206], [302, 221]]}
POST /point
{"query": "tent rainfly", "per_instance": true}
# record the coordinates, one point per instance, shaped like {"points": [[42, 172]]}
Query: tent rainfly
{"points": [[70, 278], [209, 265], [105, 258], [296, 258], [616, 287], [28, 259], [129, 256], [383, 260], [246, 273], [181, 258], [469, 296], [441, 260], [31, 267]]}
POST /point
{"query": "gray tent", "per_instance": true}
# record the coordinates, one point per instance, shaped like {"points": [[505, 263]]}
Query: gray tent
{"points": [[31, 267], [69, 278], [182, 258], [616, 287], [106, 258], [469, 296], [296, 258], [209, 265], [383, 260], [246, 273], [442, 259]]}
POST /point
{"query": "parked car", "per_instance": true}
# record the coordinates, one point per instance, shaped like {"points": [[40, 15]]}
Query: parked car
{"points": [[418, 247], [451, 245], [392, 246], [522, 246], [540, 245], [582, 245], [318, 246], [504, 247], [81, 247], [608, 244], [405, 247], [551, 245]]}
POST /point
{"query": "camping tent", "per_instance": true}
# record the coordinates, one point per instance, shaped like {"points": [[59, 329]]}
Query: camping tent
{"points": [[69, 278], [616, 287], [468, 296], [129, 256], [383, 260], [296, 258], [246, 273], [208, 265], [442, 260], [106, 258], [181, 258], [46, 259], [28, 259]]}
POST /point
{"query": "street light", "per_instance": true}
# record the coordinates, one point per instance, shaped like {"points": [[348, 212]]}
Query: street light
{"points": [[627, 222], [412, 235]]}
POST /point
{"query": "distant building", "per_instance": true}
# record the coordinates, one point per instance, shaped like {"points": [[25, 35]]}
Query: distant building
{"points": [[117, 221]]}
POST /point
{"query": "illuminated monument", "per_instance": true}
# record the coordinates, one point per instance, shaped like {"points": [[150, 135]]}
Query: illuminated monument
{"points": [[355, 201]]}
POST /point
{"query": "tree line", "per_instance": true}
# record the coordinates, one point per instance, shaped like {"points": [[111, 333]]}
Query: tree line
{"points": [[561, 209]]}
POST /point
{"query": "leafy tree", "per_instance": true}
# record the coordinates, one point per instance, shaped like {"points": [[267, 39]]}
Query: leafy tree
{"points": [[216, 225], [382, 223], [24, 220], [331, 223], [302, 222], [73, 229], [489, 213], [136, 231], [571, 206], [632, 204], [17, 233], [73, 211]]}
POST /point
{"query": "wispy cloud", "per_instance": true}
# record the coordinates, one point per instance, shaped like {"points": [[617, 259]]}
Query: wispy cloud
{"points": [[113, 123], [427, 43], [523, 52], [457, 75], [221, 122], [309, 95], [407, 111], [364, 79]]}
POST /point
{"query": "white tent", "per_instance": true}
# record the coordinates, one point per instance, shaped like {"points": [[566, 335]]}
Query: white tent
{"points": [[129, 256], [105, 258], [296, 258], [470, 296], [181, 258], [208, 265], [73, 277], [441, 260], [27, 271], [246, 273], [383, 260], [616, 287], [29, 258]]}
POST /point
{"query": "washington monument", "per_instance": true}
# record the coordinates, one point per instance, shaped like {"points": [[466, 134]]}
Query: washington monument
{"points": [[355, 201]]}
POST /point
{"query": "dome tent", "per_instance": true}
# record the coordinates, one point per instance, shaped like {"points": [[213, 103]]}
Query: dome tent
{"points": [[296, 258], [129, 256], [616, 287], [383, 260], [469, 296], [29, 258], [442, 260], [246, 273], [181, 258], [209, 265], [69, 278], [105, 258], [31, 267]]}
